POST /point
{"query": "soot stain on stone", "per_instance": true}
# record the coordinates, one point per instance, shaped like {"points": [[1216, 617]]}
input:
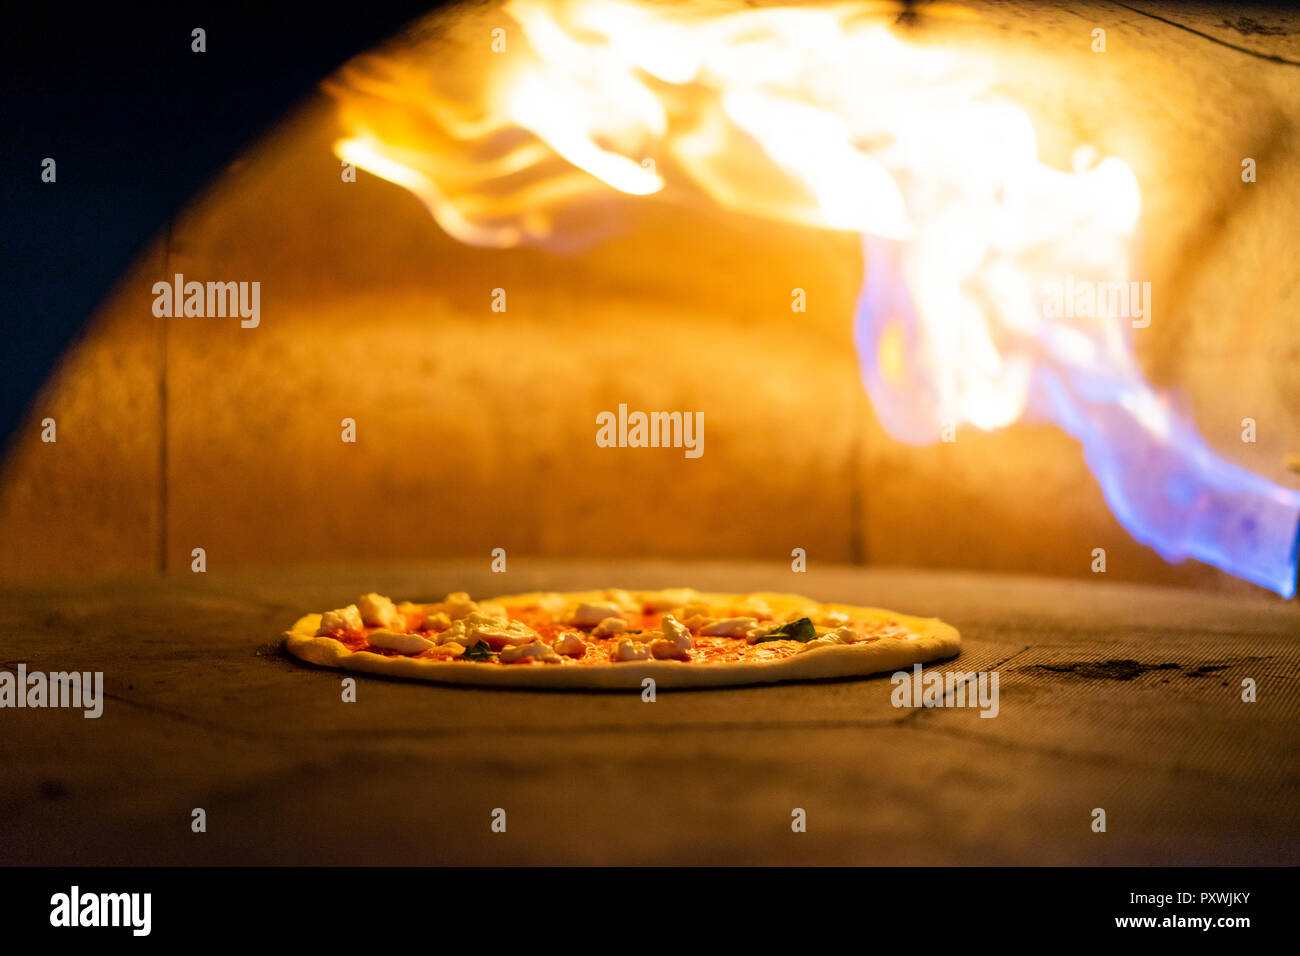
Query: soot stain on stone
{"points": [[1127, 669], [1247, 26], [1107, 670]]}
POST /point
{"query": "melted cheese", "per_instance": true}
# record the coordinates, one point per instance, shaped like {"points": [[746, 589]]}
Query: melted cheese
{"points": [[402, 643], [378, 611], [537, 650], [344, 619]]}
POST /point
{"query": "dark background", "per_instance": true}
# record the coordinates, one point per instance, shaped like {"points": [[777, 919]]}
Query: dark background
{"points": [[136, 123]]}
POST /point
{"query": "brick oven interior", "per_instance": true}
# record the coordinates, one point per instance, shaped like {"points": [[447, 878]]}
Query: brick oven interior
{"points": [[1119, 690]]}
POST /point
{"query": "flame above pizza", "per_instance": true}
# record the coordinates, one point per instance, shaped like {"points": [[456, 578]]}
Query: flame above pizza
{"points": [[997, 288]]}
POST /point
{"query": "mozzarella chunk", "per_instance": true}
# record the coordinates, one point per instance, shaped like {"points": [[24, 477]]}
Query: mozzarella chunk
{"points": [[664, 649], [457, 634], [588, 615], [609, 627], [501, 629], [729, 627], [438, 621], [457, 604], [629, 650], [695, 615], [537, 650], [344, 619], [676, 640], [378, 611], [402, 643], [498, 632], [570, 644], [675, 631], [834, 619]]}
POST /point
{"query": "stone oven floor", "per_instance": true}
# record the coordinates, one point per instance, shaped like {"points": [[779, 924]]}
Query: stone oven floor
{"points": [[1122, 697]]}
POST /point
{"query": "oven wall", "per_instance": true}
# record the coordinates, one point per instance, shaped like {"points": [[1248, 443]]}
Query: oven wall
{"points": [[476, 428]]}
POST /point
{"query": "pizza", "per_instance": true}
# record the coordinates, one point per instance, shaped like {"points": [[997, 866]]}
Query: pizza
{"points": [[614, 638]]}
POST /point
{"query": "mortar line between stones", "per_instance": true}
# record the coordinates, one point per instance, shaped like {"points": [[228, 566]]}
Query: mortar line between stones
{"points": [[1206, 36]]}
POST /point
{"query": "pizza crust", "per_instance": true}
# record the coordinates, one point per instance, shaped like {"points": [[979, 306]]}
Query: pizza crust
{"points": [[933, 640]]}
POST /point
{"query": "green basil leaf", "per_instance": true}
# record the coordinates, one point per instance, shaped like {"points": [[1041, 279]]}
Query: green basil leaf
{"points": [[479, 652], [801, 630]]}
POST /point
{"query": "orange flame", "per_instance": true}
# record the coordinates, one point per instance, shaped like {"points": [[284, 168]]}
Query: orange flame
{"points": [[820, 117], [824, 117]]}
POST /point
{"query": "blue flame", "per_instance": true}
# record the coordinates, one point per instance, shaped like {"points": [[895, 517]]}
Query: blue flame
{"points": [[1166, 486]]}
